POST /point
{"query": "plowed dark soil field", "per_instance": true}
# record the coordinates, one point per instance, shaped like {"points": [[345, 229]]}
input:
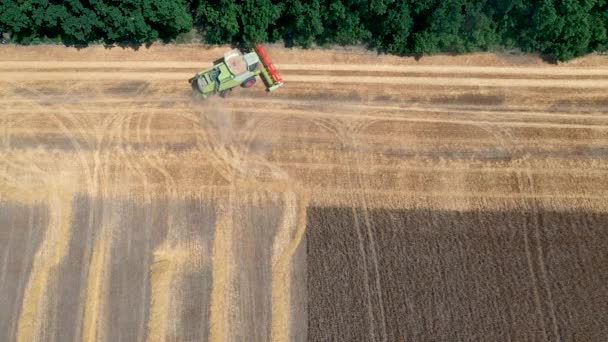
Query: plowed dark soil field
{"points": [[372, 198], [426, 275]]}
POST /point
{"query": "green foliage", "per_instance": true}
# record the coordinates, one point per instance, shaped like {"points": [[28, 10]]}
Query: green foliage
{"points": [[124, 22], [562, 29], [167, 18], [599, 26], [79, 22], [218, 19], [342, 22], [455, 26], [391, 27], [236, 21], [256, 18], [13, 18], [302, 22]]}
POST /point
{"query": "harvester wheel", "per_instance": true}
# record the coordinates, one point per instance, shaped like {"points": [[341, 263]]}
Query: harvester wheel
{"points": [[249, 83], [225, 93]]}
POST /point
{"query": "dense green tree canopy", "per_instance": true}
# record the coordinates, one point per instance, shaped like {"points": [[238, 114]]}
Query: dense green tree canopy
{"points": [[562, 29], [78, 22], [301, 23], [454, 26]]}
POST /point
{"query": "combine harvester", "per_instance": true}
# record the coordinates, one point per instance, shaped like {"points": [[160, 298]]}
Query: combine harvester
{"points": [[234, 70]]}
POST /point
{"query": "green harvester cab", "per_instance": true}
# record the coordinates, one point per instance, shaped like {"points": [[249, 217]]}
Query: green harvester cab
{"points": [[237, 69]]}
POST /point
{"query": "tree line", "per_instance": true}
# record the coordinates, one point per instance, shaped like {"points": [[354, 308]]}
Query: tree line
{"points": [[561, 29]]}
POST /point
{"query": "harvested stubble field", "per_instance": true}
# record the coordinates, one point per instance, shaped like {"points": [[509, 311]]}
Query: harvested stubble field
{"points": [[373, 198]]}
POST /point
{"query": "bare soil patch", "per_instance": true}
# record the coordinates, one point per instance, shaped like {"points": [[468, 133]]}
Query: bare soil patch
{"points": [[429, 275]]}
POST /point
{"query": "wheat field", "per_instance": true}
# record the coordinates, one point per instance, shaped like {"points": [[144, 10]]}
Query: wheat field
{"points": [[372, 198]]}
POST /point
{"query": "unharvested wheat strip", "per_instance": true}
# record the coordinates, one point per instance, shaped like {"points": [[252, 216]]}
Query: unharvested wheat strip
{"points": [[221, 296], [396, 138], [358, 116], [435, 81], [509, 118], [483, 116], [445, 69], [331, 105], [549, 166], [323, 191], [405, 168], [112, 65], [455, 69], [302, 144], [319, 192], [24, 107], [13, 76], [221, 191], [306, 169], [383, 116], [448, 81], [79, 100], [400, 201]]}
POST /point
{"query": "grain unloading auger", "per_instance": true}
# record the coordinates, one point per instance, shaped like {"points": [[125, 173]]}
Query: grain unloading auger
{"points": [[237, 69]]}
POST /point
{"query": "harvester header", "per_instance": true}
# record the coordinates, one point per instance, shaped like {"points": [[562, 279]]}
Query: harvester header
{"points": [[270, 69], [237, 69]]}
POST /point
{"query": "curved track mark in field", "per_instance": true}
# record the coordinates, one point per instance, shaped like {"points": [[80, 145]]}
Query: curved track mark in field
{"points": [[541, 262], [97, 283], [135, 111], [286, 241], [105, 136], [155, 163], [51, 253], [230, 147], [59, 121], [170, 261], [508, 144], [134, 164], [125, 135], [213, 145], [373, 245], [52, 186]]}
